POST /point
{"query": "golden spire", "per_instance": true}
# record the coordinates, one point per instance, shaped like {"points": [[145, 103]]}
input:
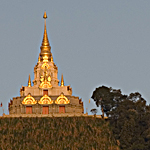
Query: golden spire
{"points": [[45, 16], [29, 81], [45, 46], [62, 80]]}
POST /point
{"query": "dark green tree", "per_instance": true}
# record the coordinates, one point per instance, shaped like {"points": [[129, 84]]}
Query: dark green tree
{"points": [[107, 98], [127, 115]]}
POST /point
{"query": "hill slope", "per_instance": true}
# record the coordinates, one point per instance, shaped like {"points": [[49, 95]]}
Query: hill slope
{"points": [[67, 133]]}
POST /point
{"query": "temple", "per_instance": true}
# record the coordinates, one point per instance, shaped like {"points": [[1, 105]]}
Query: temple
{"points": [[45, 94]]}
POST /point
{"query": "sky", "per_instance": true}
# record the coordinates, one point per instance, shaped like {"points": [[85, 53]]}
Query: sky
{"points": [[94, 43]]}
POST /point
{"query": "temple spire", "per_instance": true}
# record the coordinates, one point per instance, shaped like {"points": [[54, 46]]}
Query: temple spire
{"points": [[45, 46], [45, 41], [29, 81], [62, 80], [45, 16]]}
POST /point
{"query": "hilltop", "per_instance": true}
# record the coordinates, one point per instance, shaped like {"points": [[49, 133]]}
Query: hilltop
{"points": [[66, 133]]}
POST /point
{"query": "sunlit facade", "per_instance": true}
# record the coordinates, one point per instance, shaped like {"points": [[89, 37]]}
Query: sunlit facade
{"points": [[46, 95]]}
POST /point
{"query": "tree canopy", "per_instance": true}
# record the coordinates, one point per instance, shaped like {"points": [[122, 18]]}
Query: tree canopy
{"points": [[128, 116]]}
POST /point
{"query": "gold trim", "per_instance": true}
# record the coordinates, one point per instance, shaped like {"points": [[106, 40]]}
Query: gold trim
{"points": [[29, 100], [45, 59], [45, 100], [45, 84], [45, 80], [51, 58], [62, 99], [45, 65]]}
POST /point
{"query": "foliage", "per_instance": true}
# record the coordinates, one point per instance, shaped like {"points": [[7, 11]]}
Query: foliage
{"points": [[128, 117], [107, 98], [66, 133], [94, 111]]}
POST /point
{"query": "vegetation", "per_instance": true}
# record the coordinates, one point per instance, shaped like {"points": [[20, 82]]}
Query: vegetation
{"points": [[128, 125], [66, 133], [94, 111], [128, 115]]}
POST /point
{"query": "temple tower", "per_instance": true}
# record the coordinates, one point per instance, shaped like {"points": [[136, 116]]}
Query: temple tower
{"points": [[45, 95]]}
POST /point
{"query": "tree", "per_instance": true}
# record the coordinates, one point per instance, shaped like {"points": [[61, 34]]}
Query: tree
{"points": [[128, 116], [107, 98], [94, 111]]}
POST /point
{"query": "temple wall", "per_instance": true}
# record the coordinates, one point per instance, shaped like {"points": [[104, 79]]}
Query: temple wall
{"points": [[73, 107], [34, 91]]}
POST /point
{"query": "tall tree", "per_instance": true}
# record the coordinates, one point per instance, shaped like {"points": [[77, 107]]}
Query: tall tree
{"points": [[107, 98]]}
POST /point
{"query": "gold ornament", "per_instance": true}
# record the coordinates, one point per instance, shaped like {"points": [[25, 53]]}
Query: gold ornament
{"points": [[45, 100], [62, 99], [29, 100]]}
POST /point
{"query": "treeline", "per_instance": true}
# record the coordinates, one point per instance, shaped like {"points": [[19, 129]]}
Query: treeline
{"points": [[128, 115], [66, 133]]}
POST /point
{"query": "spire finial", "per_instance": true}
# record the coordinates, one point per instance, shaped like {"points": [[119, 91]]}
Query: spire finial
{"points": [[29, 81], [45, 46], [45, 41], [45, 16], [62, 81]]}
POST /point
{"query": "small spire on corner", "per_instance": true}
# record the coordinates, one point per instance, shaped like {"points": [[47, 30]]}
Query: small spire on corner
{"points": [[29, 81], [62, 81]]}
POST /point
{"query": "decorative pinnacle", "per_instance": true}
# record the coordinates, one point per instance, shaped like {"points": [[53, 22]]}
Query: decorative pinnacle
{"points": [[62, 81], [45, 46], [45, 16], [45, 41], [29, 81]]}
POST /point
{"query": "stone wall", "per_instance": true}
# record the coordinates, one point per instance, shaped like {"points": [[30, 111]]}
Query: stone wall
{"points": [[18, 108]]}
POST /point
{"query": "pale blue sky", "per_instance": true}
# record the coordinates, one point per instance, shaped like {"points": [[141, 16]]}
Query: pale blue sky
{"points": [[94, 43]]}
